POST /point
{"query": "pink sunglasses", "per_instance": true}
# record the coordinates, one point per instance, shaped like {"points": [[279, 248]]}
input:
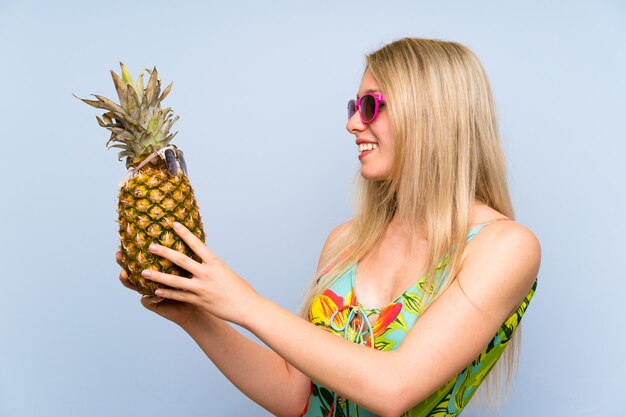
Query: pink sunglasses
{"points": [[367, 106]]}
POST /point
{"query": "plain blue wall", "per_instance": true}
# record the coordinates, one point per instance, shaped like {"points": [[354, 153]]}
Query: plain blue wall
{"points": [[273, 180]]}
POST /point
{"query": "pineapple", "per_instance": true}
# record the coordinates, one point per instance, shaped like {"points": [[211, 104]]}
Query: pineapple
{"points": [[156, 191]]}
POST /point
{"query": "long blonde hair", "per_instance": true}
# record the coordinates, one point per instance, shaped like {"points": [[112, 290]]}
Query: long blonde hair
{"points": [[447, 155]]}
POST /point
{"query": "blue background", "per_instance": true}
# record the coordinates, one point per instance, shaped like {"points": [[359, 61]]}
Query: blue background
{"points": [[273, 179]]}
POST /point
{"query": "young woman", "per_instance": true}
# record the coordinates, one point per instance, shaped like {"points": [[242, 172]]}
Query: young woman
{"points": [[404, 316]]}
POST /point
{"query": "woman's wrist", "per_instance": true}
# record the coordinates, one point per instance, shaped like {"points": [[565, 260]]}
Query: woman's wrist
{"points": [[256, 309], [248, 313], [198, 321]]}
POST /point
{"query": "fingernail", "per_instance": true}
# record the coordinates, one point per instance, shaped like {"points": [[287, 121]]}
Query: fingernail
{"points": [[146, 273], [152, 247], [176, 226], [158, 293]]}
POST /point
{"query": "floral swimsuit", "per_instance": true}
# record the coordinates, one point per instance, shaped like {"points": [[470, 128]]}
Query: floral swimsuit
{"points": [[337, 310]]}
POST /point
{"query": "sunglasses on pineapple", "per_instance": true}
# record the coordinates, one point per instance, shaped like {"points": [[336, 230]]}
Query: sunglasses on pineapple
{"points": [[367, 106]]}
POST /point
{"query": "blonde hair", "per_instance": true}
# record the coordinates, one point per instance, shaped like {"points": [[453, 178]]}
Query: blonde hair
{"points": [[447, 156]]}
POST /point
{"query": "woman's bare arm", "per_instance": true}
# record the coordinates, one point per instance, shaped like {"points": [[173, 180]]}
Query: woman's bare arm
{"points": [[446, 338], [255, 370], [258, 372]]}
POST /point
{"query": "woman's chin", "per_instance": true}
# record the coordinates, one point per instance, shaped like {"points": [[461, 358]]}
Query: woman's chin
{"points": [[374, 176]]}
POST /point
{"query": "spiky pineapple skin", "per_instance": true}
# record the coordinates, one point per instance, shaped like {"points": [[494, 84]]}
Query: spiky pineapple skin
{"points": [[149, 204]]}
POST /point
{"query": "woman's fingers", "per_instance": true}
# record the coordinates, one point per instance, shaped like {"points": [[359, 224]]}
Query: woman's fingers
{"points": [[125, 281], [149, 300], [173, 281], [177, 258], [176, 295], [118, 258], [196, 245]]}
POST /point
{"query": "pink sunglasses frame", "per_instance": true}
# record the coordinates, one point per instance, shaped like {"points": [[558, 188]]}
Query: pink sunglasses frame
{"points": [[378, 98]]}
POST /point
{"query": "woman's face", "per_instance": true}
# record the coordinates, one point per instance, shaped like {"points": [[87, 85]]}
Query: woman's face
{"points": [[377, 163]]}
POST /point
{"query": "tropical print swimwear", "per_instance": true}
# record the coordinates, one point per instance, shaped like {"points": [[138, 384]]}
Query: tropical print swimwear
{"points": [[338, 311]]}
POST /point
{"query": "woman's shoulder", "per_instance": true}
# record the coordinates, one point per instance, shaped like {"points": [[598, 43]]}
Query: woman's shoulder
{"points": [[335, 233], [509, 236], [504, 255], [331, 238], [339, 228]]}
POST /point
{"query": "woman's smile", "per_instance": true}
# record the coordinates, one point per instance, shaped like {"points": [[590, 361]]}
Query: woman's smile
{"points": [[365, 147]]}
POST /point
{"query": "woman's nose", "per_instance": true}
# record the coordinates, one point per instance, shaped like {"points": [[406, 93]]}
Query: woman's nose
{"points": [[355, 124]]}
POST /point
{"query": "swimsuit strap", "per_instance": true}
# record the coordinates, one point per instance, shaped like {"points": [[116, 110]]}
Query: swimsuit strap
{"points": [[474, 230]]}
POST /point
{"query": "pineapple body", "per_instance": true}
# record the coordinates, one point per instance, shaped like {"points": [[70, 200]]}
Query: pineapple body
{"points": [[149, 204]]}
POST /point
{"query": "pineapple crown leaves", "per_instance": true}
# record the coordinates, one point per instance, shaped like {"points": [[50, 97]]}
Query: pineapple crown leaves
{"points": [[138, 124]]}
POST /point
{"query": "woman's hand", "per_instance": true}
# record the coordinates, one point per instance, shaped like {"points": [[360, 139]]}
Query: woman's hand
{"points": [[214, 288], [178, 312]]}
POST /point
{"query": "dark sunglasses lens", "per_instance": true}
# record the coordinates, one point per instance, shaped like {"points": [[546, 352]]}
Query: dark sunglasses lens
{"points": [[351, 108], [368, 108]]}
